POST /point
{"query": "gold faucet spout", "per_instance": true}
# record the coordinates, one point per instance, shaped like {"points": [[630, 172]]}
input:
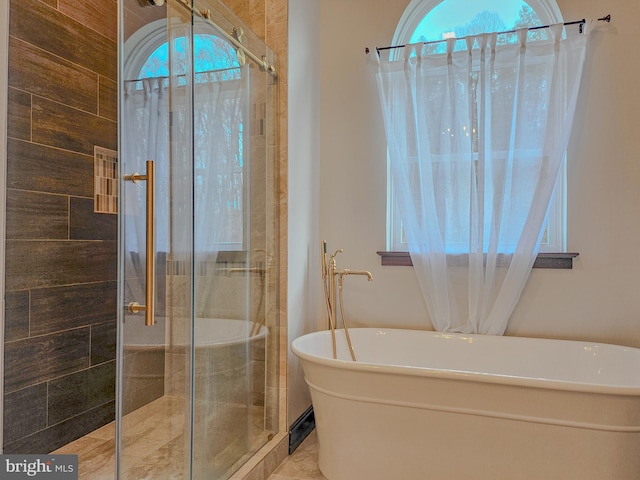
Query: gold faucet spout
{"points": [[348, 271]]}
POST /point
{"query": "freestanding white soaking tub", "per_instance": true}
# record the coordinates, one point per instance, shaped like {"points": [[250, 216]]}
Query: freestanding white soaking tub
{"points": [[421, 405]]}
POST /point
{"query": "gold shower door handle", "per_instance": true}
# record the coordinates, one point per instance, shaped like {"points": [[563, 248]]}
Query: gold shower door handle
{"points": [[150, 265]]}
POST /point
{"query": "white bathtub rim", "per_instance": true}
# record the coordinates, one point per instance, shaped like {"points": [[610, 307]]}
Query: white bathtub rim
{"points": [[464, 375], [261, 333], [201, 341]]}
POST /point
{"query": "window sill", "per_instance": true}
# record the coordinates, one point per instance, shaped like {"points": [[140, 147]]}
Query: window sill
{"points": [[544, 260]]}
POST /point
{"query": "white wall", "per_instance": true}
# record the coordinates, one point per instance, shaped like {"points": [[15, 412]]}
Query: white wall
{"points": [[353, 162], [596, 300], [303, 189]]}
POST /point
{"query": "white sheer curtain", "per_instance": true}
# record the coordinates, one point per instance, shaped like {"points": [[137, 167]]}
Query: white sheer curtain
{"points": [[221, 159], [212, 181], [145, 120], [476, 138], [220, 131]]}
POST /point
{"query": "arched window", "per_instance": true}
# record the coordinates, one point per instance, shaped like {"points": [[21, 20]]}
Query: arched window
{"points": [[429, 16], [147, 55], [210, 54], [434, 20], [218, 117]]}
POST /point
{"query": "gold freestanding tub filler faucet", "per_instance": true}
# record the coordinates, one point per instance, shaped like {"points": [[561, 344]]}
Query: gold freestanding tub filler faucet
{"points": [[331, 277]]}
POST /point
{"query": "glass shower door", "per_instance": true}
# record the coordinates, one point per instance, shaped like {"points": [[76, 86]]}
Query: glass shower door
{"points": [[231, 243], [156, 292], [195, 356]]}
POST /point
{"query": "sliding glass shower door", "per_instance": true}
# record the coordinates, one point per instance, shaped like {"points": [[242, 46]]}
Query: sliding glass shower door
{"points": [[197, 353]]}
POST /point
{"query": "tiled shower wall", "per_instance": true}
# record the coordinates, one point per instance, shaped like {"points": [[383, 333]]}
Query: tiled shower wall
{"points": [[61, 258]]}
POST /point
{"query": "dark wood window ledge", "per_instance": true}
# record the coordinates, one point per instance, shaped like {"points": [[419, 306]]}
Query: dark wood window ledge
{"points": [[544, 260]]}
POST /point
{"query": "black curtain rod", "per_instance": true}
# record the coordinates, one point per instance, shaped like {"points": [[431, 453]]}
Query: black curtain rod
{"points": [[606, 18]]}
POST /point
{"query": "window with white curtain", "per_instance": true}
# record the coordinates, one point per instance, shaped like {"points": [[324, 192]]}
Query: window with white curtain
{"points": [[434, 20], [214, 62]]}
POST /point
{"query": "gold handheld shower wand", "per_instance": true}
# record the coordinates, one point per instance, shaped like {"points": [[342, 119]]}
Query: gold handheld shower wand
{"points": [[329, 273], [324, 259]]}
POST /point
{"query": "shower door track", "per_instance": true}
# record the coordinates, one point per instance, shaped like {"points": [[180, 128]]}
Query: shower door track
{"points": [[205, 14]]}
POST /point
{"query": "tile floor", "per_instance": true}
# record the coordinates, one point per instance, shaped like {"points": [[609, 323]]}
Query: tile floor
{"points": [[302, 464], [162, 429], [153, 436]]}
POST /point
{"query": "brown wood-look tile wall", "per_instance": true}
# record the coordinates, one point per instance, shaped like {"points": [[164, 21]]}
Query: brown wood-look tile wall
{"points": [[61, 258]]}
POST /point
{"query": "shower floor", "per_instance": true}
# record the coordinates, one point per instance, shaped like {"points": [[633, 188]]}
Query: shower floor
{"points": [[154, 440]]}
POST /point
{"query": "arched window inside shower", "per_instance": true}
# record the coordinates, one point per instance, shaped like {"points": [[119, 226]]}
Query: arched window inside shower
{"points": [[215, 62], [434, 20], [211, 54]]}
